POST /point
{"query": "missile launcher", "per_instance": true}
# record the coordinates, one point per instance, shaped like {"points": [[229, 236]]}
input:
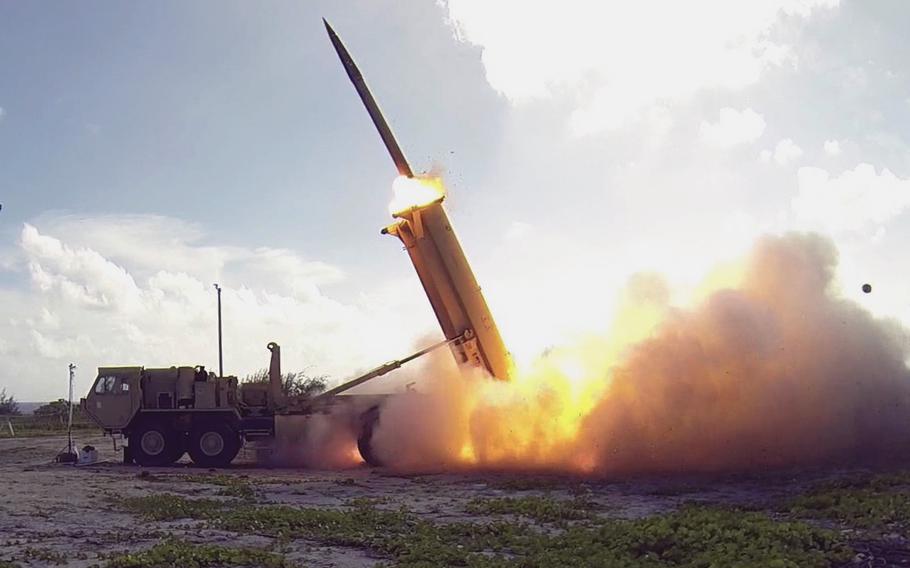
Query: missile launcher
{"points": [[442, 267]]}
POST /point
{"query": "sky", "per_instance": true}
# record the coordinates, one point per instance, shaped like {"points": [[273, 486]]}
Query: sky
{"points": [[148, 151]]}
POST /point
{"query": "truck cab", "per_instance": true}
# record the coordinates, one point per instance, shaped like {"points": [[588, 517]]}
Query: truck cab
{"points": [[115, 397], [164, 413]]}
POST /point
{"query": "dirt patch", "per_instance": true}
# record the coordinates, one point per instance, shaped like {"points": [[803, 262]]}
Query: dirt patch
{"points": [[91, 515]]}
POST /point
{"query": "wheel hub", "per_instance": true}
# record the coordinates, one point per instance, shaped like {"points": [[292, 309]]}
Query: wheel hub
{"points": [[152, 443], [211, 444]]}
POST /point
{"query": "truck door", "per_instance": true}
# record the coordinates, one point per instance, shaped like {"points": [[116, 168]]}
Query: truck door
{"points": [[113, 400]]}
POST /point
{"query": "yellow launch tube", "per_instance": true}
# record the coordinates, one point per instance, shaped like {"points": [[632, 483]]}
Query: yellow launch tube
{"points": [[451, 287]]}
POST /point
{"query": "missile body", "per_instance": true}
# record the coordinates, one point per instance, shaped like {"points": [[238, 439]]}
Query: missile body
{"points": [[368, 101]]}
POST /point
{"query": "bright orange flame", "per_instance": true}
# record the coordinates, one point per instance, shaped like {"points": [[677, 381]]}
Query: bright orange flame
{"points": [[415, 192], [535, 420]]}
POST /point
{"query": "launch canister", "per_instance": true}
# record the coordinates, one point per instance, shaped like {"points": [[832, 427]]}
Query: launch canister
{"points": [[437, 256], [452, 288]]}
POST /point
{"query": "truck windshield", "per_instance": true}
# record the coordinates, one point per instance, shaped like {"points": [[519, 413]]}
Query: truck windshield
{"points": [[105, 384]]}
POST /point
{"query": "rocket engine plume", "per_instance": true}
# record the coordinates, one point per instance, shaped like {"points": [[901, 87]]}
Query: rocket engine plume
{"points": [[410, 193], [774, 371]]}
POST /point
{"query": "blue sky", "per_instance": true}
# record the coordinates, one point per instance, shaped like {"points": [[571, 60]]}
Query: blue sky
{"points": [[148, 150], [224, 111]]}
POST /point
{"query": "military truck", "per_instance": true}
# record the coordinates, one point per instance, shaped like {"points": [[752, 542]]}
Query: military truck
{"points": [[161, 414]]}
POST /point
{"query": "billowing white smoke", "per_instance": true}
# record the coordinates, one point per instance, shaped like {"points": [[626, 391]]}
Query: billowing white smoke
{"points": [[775, 370]]}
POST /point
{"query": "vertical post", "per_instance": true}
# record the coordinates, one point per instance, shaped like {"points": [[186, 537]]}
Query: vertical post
{"points": [[220, 352], [69, 424]]}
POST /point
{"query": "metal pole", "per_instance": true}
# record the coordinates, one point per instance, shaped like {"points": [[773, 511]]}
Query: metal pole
{"points": [[69, 425], [220, 352]]}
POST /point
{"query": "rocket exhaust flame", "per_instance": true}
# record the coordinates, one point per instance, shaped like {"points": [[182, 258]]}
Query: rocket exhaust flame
{"points": [[774, 371], [415, 192]]}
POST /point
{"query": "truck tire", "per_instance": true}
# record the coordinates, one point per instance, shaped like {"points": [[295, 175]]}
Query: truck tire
{"points": [[154, 444], [213, 443], [369, 420]]}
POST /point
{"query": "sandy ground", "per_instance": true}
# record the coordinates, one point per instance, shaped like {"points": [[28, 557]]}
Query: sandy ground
{"points": [[66, 509]]}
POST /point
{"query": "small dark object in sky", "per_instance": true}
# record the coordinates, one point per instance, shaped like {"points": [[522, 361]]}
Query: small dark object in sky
{"points": [[867, 288]]}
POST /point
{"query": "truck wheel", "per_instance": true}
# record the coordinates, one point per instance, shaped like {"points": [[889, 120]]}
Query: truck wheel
{"points": [[154, 444], [369, 420], [213, 444]]}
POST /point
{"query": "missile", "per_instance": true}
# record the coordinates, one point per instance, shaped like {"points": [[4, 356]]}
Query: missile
{"points": [[388, 138], [426, 232]]}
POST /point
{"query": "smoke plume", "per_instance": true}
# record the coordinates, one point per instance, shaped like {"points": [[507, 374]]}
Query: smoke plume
{"points": [[769, 369], [320, 441]]}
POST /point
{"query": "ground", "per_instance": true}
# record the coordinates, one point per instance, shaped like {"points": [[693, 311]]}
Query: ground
{"points": [[108, 514]]}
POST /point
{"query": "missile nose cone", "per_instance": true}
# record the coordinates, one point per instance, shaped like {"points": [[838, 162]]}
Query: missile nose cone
{"points": [[346, 60], [369, 102]]}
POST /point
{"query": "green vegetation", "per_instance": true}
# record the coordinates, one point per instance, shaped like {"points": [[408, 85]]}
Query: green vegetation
{"points": [[8, 404], [298, 384], [527, 484], [231, 485], [175, 552], [8, 564], [873, 502], [698, 536], [691, 537], [44, 555], [60, 409], [31, 426], [166, 507], [675, 490], [366, 501], [542, 509]]}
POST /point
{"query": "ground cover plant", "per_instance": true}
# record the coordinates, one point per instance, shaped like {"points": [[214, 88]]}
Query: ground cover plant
{"points": [[32, 426], [44, 556], [231, 485], [542, 509], [173, 552], [167, 507], [693, 536], [876, 503]]}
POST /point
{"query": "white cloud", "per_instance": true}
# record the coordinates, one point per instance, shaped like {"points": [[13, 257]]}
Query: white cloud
{"points": [[149, 243], [612, 58], [832, 147], [156, 306], [518, 230], [857, 200], [733, 127], [2, 113], [786, 151]]}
